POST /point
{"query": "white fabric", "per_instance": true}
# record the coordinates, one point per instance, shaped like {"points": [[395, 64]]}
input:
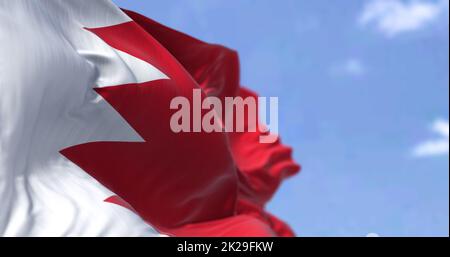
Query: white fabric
{"points": [[48, 66]]}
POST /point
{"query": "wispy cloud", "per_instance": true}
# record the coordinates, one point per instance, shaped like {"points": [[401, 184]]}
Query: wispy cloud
{"points": [[353, 67], [438, 146], [392, 17]]}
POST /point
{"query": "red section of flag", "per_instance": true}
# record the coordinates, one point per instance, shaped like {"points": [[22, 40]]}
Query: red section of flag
{"points": [[186, 184]]}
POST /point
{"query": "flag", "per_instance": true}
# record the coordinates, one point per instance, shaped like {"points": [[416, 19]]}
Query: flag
{"points": [[86, 147]]}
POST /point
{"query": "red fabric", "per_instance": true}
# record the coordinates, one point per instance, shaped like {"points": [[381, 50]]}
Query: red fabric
{"points": [[185, 184]]}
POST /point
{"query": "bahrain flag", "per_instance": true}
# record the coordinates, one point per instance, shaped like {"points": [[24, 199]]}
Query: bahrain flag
{"points": [[86, 147]]}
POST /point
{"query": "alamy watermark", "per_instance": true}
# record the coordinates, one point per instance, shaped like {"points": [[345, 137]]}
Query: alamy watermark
{"points": [[236, 114]]}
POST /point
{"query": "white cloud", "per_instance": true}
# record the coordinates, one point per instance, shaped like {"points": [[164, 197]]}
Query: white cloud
{"points": [[438, 146], [351, 67], [393, 17]]}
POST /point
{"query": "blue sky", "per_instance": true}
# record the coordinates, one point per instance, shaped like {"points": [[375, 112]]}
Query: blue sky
{"points": [[363, 89]]}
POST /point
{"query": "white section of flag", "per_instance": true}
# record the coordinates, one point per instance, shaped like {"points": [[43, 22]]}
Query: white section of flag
{"points": [[49, 64]]}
